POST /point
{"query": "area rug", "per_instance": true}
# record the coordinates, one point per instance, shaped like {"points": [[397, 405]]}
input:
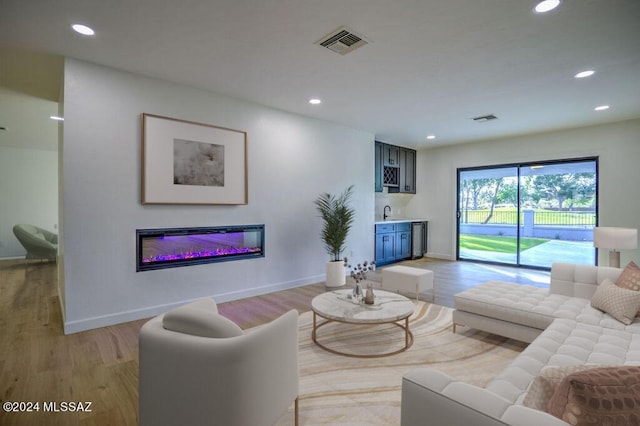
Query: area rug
{"points": [[341, 390]]}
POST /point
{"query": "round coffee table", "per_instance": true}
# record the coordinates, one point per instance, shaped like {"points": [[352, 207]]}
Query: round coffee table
{"points": [[337, 306]]}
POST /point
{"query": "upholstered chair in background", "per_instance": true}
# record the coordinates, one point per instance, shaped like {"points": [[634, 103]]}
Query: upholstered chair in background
{"points": [[199, 368], [39, 243]]}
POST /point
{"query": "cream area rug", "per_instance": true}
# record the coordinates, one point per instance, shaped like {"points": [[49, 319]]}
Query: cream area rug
{"points": [[341, 390]]}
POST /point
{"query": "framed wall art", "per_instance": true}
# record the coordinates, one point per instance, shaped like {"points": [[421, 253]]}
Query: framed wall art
{"points": [[184, 162]]}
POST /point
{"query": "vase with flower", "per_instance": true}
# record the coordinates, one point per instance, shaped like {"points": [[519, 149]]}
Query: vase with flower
{"points": [[359, 274]]}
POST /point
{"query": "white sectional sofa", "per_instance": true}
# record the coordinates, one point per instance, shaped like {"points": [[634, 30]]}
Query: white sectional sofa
{"points": [[565, 332], [522, 312]]}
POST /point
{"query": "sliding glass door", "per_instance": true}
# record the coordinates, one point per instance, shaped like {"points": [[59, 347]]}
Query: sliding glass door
{"points": [[530, 214], [487, 214]]}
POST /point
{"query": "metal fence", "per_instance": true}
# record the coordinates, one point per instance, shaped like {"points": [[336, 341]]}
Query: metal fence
{"points": [[584, 219]]}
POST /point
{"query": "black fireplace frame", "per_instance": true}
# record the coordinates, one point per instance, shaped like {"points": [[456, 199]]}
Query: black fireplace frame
{"points": [[141, 234]]}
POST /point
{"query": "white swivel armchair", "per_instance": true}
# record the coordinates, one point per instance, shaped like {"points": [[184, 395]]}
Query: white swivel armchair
{"points": [[199, 368], [38, 243]]}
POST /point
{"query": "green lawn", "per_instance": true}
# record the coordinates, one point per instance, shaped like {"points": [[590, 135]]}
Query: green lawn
{"points": [[497, 244]]}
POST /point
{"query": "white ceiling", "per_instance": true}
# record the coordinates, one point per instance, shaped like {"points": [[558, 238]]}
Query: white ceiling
{"points": [[430, 66]]}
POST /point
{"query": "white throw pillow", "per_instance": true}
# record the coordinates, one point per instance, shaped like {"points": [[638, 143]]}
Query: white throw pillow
{"points": [[193, 319], [620, 303]]}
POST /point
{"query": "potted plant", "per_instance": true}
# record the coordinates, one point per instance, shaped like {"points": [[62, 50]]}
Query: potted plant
{"points": [[338, 217]]}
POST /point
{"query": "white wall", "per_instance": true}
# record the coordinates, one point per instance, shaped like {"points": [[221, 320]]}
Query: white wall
{"points": [[397, 202], [291, 160], [617, 146], [29, 190]]}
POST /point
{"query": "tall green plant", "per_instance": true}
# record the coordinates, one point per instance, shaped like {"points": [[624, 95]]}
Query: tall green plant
{"points": [[337, 217]]}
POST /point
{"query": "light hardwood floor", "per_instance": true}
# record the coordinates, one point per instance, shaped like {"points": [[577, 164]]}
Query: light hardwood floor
{"points": [[38, 363]]}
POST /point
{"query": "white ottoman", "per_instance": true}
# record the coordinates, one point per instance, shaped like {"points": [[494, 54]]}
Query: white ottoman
{"points": [[406, 278]]}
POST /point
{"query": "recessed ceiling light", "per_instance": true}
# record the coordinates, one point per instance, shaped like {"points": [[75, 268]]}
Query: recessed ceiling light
{"points": [[601, 107], [431, 137], [55, 117], [583, 74], [315, 101], [83, 29], [546, 6]]}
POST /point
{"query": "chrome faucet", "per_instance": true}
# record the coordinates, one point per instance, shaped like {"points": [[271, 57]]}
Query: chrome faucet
{"points": [[384, 213]]}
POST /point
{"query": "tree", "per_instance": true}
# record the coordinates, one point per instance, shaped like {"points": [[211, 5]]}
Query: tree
{"points": [[585, 190], [578, 187], [471, 189], [508, 193], [496, 190]]}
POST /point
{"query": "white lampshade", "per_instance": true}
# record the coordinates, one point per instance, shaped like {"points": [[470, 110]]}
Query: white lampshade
{"points": [[615, 238]]}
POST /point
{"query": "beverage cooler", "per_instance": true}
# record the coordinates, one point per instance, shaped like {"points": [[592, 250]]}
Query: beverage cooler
{"points": [[418, 239]]}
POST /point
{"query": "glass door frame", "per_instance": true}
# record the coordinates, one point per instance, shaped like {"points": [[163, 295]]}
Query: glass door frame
{"points": [[518, 167]]}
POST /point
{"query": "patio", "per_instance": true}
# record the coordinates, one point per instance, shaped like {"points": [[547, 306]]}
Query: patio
{"points": [[543, 255]]}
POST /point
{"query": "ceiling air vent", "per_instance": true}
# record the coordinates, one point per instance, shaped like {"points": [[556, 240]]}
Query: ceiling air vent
{"points": [[485, 118], [342, 41]]}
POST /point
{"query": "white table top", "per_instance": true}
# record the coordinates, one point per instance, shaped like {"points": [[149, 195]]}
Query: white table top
{"points": [[388, 307]]}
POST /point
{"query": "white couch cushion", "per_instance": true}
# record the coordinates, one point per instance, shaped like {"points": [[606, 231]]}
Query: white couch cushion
{"points": [[513, 302], [570, 279], [567, 342], [477, 398], [531, 306], [517, 415]]}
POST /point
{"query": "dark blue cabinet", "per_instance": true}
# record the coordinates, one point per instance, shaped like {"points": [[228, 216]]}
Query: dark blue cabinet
{"points": [[393, 242], [378, 166], [385, 247], [403, 245], [395, 168]]}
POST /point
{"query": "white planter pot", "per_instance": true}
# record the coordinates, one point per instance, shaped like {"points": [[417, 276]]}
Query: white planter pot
{"points": [[335, 274]]}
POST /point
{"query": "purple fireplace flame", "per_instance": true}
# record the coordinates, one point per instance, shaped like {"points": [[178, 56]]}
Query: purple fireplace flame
{"points": [[201, 254], [173, 247]]}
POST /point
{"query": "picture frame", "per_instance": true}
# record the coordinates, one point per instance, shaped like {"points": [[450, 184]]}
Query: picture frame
{"points": [[185, 162]]}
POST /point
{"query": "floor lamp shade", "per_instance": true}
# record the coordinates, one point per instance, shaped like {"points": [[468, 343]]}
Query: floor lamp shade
{"points": [[615, 239]]}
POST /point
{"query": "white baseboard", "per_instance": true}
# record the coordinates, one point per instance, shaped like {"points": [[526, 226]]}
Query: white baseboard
{"points": [[84, 324], [440, 256]]}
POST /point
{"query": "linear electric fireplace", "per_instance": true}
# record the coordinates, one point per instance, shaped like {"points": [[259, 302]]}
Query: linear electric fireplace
{"points": [[173, 247]]}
